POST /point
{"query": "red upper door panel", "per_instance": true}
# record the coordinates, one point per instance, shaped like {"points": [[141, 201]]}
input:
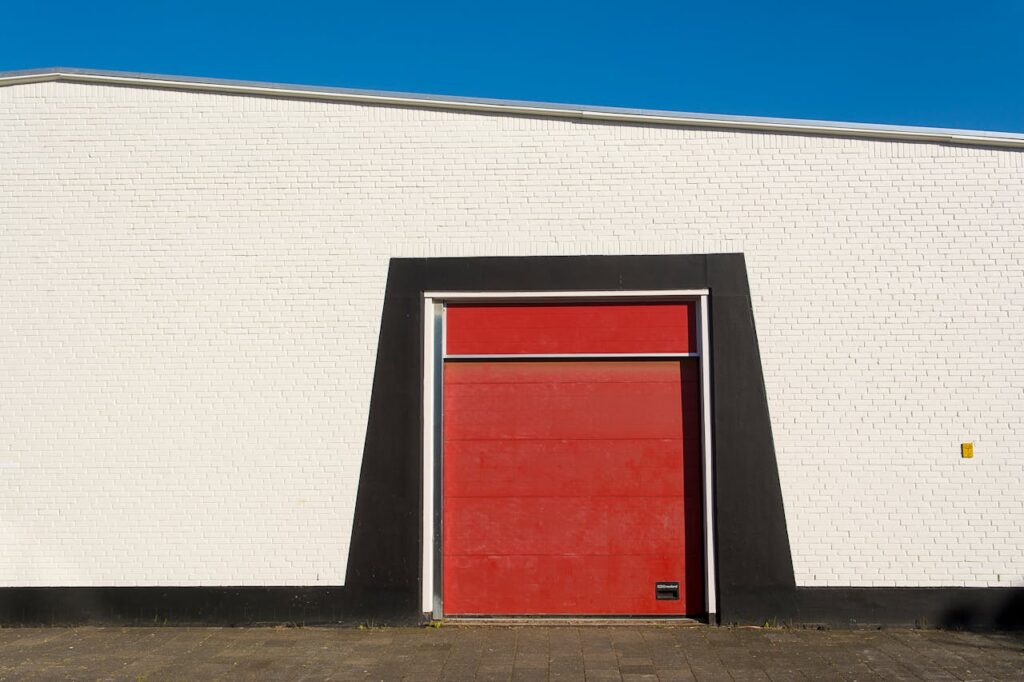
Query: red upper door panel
{"points": [[524, 329]]}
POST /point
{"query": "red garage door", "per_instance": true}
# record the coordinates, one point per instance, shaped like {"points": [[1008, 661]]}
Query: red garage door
{"points": [[571, 485]]}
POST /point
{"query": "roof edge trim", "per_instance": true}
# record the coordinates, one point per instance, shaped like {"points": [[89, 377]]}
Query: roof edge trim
{"points": [[522, 108]]}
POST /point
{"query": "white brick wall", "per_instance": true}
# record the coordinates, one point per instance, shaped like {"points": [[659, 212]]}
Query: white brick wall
{"points": [[191, 285]]}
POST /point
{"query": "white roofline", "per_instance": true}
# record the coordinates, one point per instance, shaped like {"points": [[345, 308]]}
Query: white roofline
{"points": [[519, 108]]}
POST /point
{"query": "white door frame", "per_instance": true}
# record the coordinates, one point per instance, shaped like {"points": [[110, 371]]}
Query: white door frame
{"points": [[433, 359]]}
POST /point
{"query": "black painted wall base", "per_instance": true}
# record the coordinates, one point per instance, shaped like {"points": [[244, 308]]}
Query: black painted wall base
{"points": [[929, 607], [840, 607], [982, 608], [204, 606]]}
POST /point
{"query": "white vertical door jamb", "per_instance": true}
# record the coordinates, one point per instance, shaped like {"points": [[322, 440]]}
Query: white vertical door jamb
{"points": [[711, 589], [427, 584]]}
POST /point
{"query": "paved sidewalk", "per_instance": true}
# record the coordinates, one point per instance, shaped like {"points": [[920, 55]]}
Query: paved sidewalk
{"points": [[506, 653]]}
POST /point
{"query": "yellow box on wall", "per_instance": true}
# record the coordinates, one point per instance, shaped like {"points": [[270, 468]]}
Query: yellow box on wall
{"points": [[967, 450]]}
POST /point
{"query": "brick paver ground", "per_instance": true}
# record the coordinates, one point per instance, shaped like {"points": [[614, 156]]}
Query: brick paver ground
{"points": [[506, 653]]}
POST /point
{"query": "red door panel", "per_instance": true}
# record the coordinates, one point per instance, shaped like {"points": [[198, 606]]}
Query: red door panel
{"points": [[571, 487], [545, 399], [570, 328], [524, 468], [590, 526], [567, 584]]}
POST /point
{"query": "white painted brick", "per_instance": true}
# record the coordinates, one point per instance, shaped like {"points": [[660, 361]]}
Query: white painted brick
{"points": [[191, 286]]}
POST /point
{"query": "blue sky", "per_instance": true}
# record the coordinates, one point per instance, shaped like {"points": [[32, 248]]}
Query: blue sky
{"points": [[937, 63]]}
